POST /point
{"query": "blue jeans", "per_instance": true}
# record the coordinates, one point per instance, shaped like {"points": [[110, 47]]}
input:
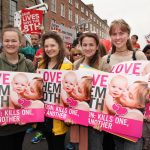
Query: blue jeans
{"points": [[123, 144], [95, 139]]}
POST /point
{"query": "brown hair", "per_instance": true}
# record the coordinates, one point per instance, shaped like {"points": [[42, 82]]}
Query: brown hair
{"points": [[87, 86], [61, 54], [8, 28], [39, 85], [94, 61], [125, 28]]}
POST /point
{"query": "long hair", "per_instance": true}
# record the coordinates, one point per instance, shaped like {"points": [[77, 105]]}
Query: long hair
{"points": [[93, 62], [125, 28], [142, 92], [39, 86], [61, 54]]}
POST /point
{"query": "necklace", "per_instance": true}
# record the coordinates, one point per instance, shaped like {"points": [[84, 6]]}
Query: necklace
{"points": [[122, 51]]}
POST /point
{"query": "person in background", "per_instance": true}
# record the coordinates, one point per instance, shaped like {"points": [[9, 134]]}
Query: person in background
{"points": [[121, 51], [103, 50], [146, 51], [12, 136], [38, 57], [30, 51], [75, 54], [135, 45]]}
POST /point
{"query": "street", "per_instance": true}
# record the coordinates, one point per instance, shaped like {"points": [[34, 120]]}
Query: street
{"points": [[27, 145]]}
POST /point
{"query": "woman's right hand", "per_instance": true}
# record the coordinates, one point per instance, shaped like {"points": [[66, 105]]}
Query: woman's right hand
{"points": [[69, 122]]}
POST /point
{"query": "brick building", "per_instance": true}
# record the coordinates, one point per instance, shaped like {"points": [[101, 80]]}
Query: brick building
{"points": [[70, 13]]}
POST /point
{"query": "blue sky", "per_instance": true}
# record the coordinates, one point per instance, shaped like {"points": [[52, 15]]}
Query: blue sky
{"points": [[135, 12]]}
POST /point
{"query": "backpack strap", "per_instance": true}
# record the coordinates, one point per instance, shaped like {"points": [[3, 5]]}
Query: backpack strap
{"points": [[108, 58], [134, 55]]}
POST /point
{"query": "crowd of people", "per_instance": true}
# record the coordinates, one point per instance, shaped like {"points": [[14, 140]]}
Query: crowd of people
{"points": [[48, 52]]}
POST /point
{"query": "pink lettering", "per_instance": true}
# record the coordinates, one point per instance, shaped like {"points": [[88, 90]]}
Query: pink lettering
{"points": [[4, 78], [132, 68], [100, 80], [136, 68], [52, 76]]}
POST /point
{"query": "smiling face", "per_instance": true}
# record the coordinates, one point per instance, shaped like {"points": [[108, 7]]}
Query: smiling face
{"points": [[20, 83], [117, 86], [119, 38], [51, 48], [69, 82], [89, 47], [11, 42]]}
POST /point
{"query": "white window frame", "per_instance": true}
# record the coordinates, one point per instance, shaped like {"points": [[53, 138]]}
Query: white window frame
{"points": [[77, 5], [53, 6], [76, 18], [13, 9], [62, 11], [70, 14]]}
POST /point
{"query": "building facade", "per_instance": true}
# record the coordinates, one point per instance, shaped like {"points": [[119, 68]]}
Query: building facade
{"points": [[69, 13]]}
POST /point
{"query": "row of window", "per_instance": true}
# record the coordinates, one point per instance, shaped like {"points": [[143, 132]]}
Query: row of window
{"points": [[53, 9]]}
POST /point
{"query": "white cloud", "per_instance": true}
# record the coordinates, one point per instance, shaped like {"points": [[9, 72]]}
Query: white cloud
{"points": [[135, 12]]}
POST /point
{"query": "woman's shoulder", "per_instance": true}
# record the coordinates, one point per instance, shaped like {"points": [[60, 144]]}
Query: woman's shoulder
{"points": [[140, 55], [104, 64]]}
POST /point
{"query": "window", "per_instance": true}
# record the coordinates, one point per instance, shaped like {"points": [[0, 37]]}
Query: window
{"points": [[94, 19], [87, 13], [62, 10], [97, 21], [82, 9], [76, 18], [91, 16], [53, 5], [13, 9], [70, 1], [94, 29], [77, 5], [91, 29], [100, 24], [70, 14], [87, 26]]}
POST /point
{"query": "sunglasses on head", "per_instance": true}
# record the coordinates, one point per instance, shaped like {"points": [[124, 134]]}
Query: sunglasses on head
{"points": [[77, 54]]}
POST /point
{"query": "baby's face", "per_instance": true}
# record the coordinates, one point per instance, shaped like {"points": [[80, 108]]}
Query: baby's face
{"points": [[117, 87], [130, 99], [32, 92], [19, 84], [69, 83]]}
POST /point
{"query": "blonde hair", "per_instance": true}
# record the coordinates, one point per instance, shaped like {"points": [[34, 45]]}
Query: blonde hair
{"points": [[142, 92]]}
